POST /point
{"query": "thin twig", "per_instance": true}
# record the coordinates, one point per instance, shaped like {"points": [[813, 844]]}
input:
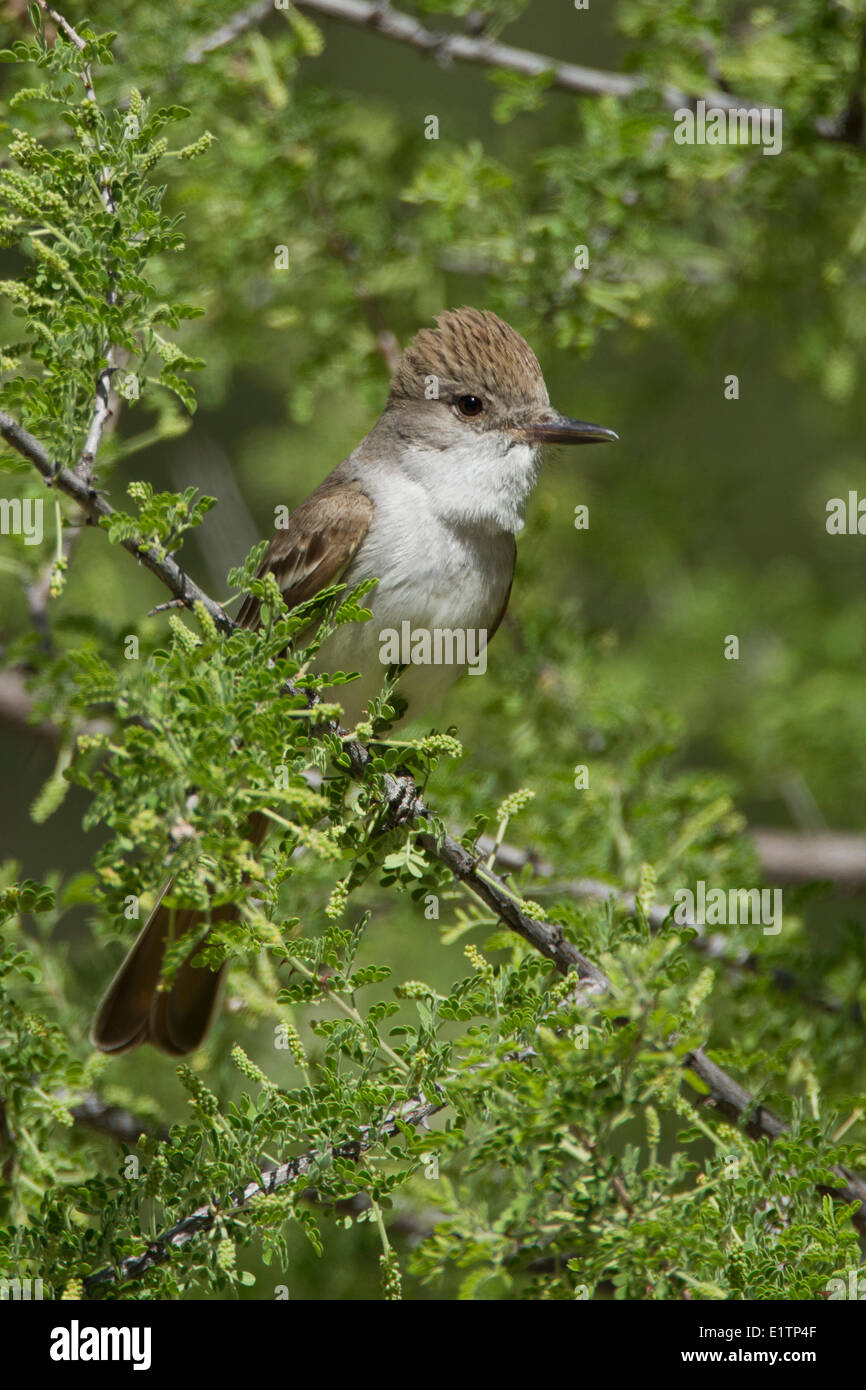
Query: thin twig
{"points": [[101, 413], [413, 1113], [94, 505], [549, 940], [243, 21]]}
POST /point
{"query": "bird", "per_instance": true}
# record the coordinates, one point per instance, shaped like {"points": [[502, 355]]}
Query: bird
{"points": [[429, 504]]}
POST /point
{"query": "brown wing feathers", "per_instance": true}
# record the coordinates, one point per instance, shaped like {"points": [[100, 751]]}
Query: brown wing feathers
{"points": [[316, 546]]}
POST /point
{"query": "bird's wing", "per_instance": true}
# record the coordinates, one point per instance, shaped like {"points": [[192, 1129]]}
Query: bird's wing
{"points": [[315, 548], [494, 629]]}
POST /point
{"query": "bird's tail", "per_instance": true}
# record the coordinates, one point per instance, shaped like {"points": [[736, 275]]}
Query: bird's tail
{"points": [[137, 1009]]}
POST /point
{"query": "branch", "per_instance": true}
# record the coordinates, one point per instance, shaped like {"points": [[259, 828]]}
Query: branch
{"points": [[470, 869], [445, 47], [95, 507], [735, 1102], [729, 1097], [414, 1113], [807, 856], [94, 1113], [791, 858], [16, 708], [382, 19], [786, 856], [244, 20], [550, 941]]}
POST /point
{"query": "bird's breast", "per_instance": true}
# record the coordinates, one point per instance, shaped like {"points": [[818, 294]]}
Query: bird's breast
{"points": [[435, 578]]}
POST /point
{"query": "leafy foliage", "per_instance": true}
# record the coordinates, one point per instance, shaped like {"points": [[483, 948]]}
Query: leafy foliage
{"points": [[84, 208]]}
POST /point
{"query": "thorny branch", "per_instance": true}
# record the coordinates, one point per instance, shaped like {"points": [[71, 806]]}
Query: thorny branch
{"points": [[95, 507], [414, 1113], [735, 1102], [445, 47]]}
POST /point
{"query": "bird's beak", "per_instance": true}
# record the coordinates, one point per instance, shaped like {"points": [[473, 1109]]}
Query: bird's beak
{"points": [[559, 429]]}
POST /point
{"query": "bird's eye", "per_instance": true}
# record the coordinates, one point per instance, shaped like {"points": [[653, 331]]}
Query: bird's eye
{"points": [[470, 405]]}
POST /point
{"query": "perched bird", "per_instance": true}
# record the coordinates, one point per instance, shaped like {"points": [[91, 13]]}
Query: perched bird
{"points": [[429, 504]]}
